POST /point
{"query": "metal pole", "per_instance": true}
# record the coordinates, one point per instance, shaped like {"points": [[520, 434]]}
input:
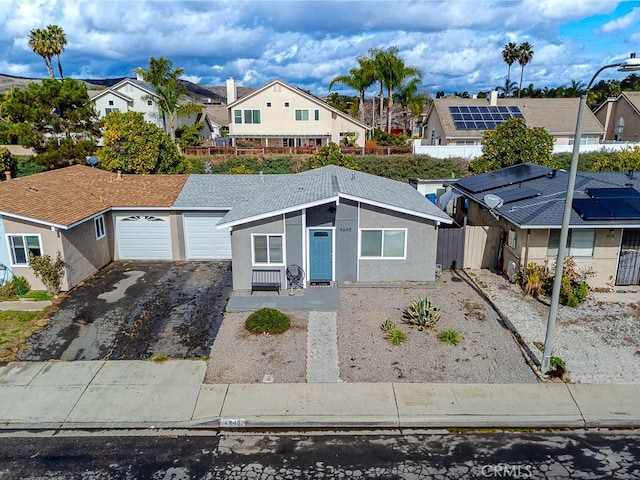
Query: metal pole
{"points": [[564, 231]]}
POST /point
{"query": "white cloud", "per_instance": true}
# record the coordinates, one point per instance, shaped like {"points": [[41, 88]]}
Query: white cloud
{"points": [[622, 23]]}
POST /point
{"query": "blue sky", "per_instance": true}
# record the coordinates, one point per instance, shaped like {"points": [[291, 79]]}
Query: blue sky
{"points": [[456, 43]]}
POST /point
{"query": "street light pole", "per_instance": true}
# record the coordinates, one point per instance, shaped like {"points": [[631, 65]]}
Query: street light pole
{"points": [[631, 64]]}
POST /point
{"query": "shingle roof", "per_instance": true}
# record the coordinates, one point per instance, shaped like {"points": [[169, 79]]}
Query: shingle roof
{"points": [[547, 209], [69, 195], [254, 196], [556, 115]]}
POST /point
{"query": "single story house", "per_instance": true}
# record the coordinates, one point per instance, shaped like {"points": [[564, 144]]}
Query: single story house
{"points": [[337, 224], [520, 208], [463, 121], [621, 117]]}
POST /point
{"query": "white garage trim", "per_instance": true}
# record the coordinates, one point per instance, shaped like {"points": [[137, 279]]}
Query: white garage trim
{"points": [[203, 241], [144, 237]]}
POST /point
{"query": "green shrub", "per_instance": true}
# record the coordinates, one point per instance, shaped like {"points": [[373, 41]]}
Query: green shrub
{"points": [[421, 314], [267, 320], [392, 334], [449, 336], [558, 367], [14, 287], [49, 271]]}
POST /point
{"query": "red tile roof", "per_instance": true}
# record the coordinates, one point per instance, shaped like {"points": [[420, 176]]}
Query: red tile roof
{"points": [[68, 195]]}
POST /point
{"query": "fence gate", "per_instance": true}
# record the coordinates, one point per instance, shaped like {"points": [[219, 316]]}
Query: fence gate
{"points": [[629, 261], [450, 252]]}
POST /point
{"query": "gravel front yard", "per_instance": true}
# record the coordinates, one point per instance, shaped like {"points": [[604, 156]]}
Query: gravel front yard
{"points": [[488, 353], [599, 340]]}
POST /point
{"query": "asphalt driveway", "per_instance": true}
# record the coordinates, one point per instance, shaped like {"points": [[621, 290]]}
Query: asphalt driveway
{"points": [[137, 310]]}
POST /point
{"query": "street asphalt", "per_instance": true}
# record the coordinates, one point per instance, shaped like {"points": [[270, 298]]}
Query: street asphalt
{"points": [[171, 394]]}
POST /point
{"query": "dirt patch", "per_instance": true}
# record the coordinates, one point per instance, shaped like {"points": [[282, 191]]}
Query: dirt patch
{"points": [[239, 356], [137, 310]]}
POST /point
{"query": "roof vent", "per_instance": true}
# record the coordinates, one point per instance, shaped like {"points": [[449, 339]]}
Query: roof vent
{"points": [[33, 189], [552, 173]]}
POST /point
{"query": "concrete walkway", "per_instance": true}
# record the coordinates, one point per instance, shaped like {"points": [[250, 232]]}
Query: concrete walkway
{"points": [[134, 394], [25, 305], [322, 348]]}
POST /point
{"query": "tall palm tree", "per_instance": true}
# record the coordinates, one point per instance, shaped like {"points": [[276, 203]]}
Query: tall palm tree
{"points": [[510, 55], [40, 43], [392, 72], [412, 102], [525, 55], [165, 79], [359, 78], [58, 41]]}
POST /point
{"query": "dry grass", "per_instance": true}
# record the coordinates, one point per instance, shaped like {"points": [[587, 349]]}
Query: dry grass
{"points": [[15, 329]]}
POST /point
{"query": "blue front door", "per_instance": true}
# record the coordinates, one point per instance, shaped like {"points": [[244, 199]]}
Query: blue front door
{"points": [[320, 255]]}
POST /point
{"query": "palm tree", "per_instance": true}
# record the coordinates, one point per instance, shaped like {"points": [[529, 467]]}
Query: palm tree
{"points": [[510, 55], [508, 88], [391, 72], [575, 89], [58, 41], [359, 78], [411, 101], [531, 92], [165, 79], [525, 55], [40, 43]]}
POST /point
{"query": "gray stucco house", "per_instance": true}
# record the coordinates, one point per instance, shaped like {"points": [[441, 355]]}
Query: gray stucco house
{"points": [[337, 224]]}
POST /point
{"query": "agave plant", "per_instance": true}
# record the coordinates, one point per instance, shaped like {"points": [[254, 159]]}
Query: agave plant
{"points": [[421, 314]]}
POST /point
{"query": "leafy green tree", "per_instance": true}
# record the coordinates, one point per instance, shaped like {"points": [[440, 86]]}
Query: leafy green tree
{"points": [[511, 143], [55, 118], [330, 154], [169, 90], [189, 136], [510, 55], [133, 145], [525, 55], [625, 160], [7, 163], [360, 78]]}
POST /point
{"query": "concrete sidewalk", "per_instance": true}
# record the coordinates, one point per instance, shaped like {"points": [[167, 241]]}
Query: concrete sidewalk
{"points": [[137, 394]]}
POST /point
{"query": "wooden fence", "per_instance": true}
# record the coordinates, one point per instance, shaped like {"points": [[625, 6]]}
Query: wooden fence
{"points": [[209, 151]]}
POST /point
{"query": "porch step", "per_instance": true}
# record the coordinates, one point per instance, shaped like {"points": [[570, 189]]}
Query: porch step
{"points": [[322, 348]]}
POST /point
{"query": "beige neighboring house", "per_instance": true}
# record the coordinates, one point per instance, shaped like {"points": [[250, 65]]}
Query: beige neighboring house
{"points": [[280, 115], [463, 121], [126, 96], [621, 117]]}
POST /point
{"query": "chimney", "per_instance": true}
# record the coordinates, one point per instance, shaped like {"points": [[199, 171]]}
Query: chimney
{"points": [[232, 90], [493, 98], [7, 175]]}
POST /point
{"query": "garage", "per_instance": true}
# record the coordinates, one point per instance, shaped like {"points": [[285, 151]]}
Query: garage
{"points": [[203, 241], [144, 237]]}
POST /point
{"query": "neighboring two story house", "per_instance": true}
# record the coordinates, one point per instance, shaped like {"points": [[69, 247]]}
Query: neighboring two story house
{"points": [[280, 115], [463, 121], [621, 117]]}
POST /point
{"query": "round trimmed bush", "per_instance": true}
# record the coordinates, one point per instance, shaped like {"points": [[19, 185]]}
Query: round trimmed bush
{"points": [[267, 320]]}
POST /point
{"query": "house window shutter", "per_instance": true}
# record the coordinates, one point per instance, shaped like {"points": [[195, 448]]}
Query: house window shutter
{"points": [[581, 243]]}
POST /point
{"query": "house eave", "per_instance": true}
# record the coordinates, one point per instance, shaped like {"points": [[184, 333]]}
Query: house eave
{"points": [[37, 221], [406, 211]]}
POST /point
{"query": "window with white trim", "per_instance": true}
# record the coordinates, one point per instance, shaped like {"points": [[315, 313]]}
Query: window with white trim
{"points": [[383, 243], [107, 111], [98, 223], [246, 116], [302, 115], [268, 249], [580, 242], [20, 246], [316, 115]]}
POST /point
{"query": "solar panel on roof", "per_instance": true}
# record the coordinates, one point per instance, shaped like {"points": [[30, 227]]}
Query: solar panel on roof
{"points": [[515, 194], [503, 177], [482, 117], [607, 208], [620, 192]]}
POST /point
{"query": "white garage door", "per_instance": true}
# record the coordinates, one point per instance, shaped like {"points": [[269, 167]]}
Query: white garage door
{"points": [[144, 237], [202, 240]]}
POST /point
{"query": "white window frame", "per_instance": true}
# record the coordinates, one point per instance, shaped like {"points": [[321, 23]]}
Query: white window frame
{"points": [[512, 238], [301, 113], [12, 252], [574, 249], [98, 224], [240, 116], [268, 262], [382, 257]]}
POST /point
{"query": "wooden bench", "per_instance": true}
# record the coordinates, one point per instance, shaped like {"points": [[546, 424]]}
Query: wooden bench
{"points": [[266, 281]]}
